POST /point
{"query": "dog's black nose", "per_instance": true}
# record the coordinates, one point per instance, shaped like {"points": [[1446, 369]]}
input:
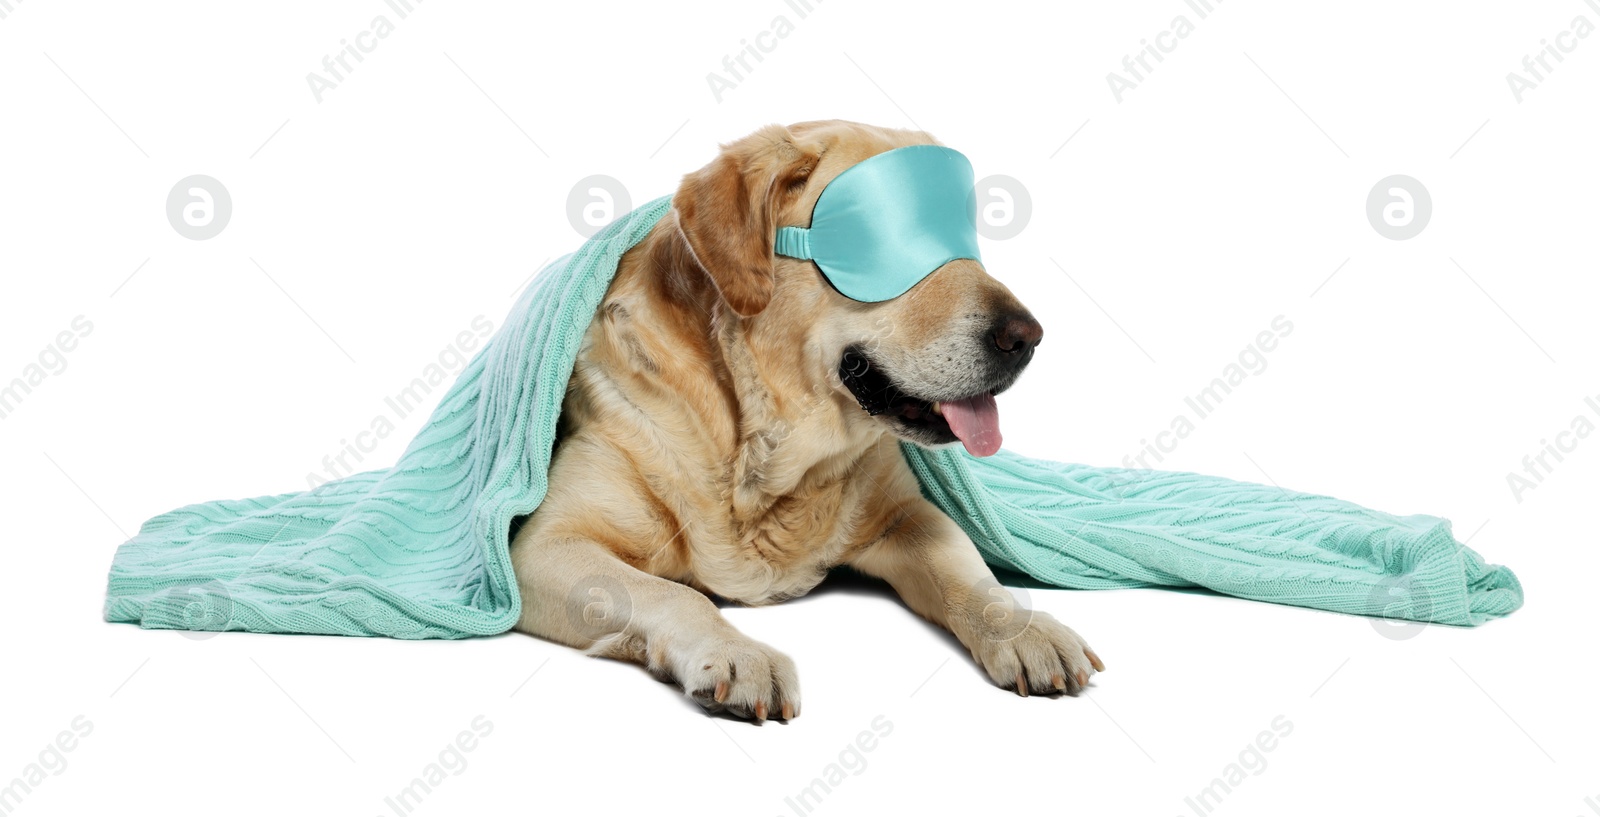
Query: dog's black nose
{"points": [[1017, 334]]}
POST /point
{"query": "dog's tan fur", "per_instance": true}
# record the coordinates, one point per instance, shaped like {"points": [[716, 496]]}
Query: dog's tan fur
{"points": [[707, 445]]}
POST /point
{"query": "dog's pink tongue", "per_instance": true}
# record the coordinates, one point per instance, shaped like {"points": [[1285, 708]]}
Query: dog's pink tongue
{"points": [[976, 421]]}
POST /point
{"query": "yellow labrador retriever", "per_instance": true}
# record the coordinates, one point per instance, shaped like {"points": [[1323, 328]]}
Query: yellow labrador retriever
{"points": [[714, 440]]}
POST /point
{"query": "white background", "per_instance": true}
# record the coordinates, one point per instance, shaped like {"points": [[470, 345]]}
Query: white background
{"points": [[369, 228]]}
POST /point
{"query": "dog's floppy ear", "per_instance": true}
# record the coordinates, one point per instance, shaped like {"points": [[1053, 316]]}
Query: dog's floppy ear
{"points": [[728, 211]]}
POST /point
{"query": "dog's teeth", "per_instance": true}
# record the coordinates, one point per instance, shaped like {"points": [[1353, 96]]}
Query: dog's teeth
{"points": [[936, 409]]}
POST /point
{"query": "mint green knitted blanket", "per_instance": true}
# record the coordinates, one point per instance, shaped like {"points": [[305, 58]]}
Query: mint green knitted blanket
{"points": [[420, 550]]}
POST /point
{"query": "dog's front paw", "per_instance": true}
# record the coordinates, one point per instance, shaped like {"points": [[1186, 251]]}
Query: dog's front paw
{"points": [[740, 676], [1032, 652]]}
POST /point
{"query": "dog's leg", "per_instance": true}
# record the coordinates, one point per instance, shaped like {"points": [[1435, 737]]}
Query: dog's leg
{"points": [[578, 593], [939, 573]]}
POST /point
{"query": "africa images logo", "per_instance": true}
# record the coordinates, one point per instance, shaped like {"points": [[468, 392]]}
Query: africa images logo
{"points": [[1537, 67], [1138, 66]]}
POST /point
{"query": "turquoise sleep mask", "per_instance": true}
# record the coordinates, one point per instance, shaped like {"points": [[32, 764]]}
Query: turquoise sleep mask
{"points": [[888, 222]]}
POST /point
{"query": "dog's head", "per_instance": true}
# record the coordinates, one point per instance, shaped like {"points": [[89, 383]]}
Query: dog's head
{"points": [[925, 365]]}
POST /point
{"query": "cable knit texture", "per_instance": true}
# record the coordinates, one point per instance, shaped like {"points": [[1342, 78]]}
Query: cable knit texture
{"points": [[420, 550]]}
